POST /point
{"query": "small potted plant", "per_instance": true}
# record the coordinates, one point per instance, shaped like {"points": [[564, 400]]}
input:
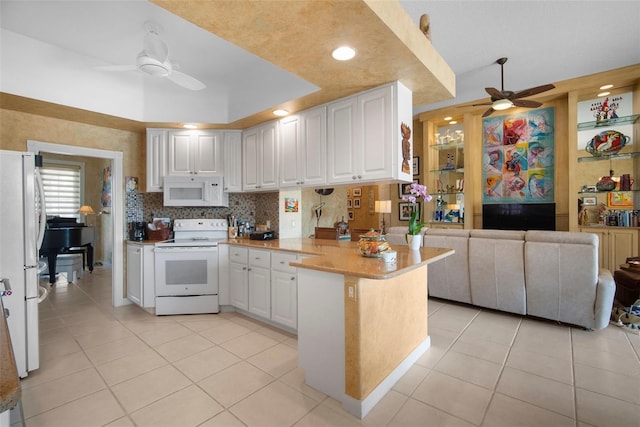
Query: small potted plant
{"points": [[416, 191]]}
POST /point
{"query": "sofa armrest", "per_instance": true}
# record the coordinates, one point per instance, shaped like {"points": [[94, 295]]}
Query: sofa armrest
{"points": [[605, 292]]}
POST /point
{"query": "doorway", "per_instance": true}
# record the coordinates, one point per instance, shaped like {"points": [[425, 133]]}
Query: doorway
{"points": [[117, 208]]}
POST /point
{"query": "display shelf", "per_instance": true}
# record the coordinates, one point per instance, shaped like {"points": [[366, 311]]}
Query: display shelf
{"points": [[455, 145], [625, 120], [586, 193], [454, 170], [448, 193], [619, 156]]}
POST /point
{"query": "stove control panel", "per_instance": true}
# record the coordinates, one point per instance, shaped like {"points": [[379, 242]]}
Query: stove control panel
{"points": [[199, 224]]}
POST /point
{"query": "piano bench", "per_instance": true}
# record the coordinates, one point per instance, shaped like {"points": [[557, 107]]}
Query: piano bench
{"points": [[70, 264]]}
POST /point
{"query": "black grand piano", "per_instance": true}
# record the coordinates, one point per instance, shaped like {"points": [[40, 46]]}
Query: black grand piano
{"points": [[66, 236]]}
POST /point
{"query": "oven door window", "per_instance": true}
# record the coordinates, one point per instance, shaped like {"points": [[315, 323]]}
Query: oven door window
{"points": [[186, 272]]}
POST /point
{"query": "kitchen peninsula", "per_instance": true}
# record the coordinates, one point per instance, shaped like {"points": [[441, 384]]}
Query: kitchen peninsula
{"points": [[362, 323]]}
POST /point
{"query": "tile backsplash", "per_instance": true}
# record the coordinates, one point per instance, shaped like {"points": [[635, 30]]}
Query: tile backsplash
{"points": [[246, 206]]}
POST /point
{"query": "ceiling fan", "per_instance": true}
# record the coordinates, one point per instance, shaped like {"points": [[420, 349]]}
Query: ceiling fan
{"points": [[154, 61], [504, 99]]}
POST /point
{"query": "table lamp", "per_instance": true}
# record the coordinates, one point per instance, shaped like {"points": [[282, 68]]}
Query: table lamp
{"points": [[383, 207], [86, 210]]}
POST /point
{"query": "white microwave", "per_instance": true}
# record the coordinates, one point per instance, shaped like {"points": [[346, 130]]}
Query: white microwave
{"points": [[195, 191]]}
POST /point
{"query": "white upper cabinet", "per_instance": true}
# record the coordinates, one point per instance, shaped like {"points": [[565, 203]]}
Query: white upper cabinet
{"points": [[303, 139], [194, 153], [232, 163], [259, 157], [156, 159], [365, 142]]}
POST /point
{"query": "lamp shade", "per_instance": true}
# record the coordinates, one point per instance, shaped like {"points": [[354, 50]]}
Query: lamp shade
{"points": [[86, 210], [383, 206], [502, 104]]}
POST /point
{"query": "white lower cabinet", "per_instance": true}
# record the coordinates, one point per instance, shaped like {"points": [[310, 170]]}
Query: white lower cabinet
{"points": [[238, 277], [141, 274], [263, 283]]}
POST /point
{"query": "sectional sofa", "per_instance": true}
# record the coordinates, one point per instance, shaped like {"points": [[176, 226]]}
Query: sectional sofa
{"points": [[548, 274]]}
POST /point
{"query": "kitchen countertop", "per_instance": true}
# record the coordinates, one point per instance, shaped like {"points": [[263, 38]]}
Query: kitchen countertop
{"points": [[9, 381], [342, 257]]}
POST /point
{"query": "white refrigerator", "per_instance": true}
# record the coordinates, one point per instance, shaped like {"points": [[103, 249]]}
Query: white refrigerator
{"points": [[22, 220]]}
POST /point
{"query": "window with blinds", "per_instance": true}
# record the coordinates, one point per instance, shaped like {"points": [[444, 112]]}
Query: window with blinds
{"points": [[63, 186]]}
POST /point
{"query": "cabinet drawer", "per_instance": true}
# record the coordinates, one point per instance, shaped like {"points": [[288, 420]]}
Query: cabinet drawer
{"points": [[259, 258], [240, 255], [280, 262]]}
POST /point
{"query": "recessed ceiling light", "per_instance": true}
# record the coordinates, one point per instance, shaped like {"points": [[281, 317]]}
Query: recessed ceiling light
{"points": [[605, 87], [343, 53], [280, 112], [448, 118], [603, 94], [190, 126], [453, 122]]}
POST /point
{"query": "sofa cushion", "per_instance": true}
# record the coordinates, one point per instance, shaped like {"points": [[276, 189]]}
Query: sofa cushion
{"points": [[449, 277], [561, 270], [496, 270], [498, 234]]}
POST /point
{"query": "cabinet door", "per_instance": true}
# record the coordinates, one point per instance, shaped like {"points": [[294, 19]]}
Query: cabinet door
{"points": [[375, 117], [238, 285], [156, 159], [180, 153], [134, 273], [284, 298], [250, 159], [232, 165], [290, 156], [342, 141], [207, 153], [623, 243], [313, 128], [268, 156], [260, 291]]}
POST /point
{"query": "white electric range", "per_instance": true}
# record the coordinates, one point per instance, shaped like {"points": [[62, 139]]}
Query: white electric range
{"points": [[186, 267]]}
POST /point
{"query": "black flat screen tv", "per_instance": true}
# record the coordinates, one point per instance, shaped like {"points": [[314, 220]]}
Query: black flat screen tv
{"points": [[519, 216]]}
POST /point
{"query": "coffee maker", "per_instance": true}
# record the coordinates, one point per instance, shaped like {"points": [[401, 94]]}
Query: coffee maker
{"points": [[138, 231]]}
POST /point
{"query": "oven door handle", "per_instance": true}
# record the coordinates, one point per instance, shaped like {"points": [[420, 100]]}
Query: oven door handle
{"points": [[183, 249]]}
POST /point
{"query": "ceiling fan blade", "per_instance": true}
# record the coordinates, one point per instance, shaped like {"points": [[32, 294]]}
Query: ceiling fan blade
{"points": [[526, 103], [532, 91], [155, 47], [488, 112], [477, 105], [118, 68], [495, 93], [186, 80]]}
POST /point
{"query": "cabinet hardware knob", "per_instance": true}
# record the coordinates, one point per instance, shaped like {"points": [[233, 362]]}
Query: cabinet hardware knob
{"points": [[353, 177], [293, 278], [359, 176]]}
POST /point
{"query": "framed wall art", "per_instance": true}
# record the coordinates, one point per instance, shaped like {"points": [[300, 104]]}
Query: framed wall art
{"points": [[403, 189], [349, 203], [416, 166], [518, 157], [620, 199], [405, 209], [589, 201], [356, 203], [357, 192]]}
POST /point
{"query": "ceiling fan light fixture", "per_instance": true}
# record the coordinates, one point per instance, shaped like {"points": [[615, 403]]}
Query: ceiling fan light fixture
{"points": [[343, 53], [502, 104], [152, 66]]}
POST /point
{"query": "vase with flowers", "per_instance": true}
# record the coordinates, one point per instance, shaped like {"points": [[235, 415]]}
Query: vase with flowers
{"points": [[416, 191]]}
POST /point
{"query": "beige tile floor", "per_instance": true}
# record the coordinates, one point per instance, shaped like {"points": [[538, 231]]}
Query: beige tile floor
{"points": [[124, 367]]}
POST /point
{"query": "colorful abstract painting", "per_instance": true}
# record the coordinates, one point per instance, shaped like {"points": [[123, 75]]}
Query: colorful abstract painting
{"points": [[518, 157]]}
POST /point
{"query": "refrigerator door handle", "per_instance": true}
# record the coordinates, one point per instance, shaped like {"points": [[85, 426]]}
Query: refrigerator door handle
{"points": [[43, 211], [7, 287]]}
